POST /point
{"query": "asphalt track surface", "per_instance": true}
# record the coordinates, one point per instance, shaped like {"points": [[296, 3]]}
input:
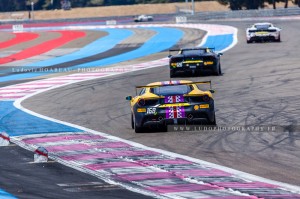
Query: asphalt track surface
{"points": [[260, 86], [23, 179]]}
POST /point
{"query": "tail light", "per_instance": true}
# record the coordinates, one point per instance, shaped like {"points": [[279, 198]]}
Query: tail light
{"points": [[141, 102], [175, 60], [151, 102], [209, 58], [205, 98], [147, 102]]}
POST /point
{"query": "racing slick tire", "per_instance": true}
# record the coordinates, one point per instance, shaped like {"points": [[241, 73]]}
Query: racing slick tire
{"points": [[213, 123], [172, 73], [279, 39], [132, 122], [164, 128], [218, 72], [137, 129]]}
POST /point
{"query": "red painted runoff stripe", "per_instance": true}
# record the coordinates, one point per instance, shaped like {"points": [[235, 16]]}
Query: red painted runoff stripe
{"points": [[245, 185], [103, 155], [172, 162], [110, 165], [66, 36], [281, 196], [146, 176], [81, 147], [204, 172], [19, 38], [233, 197], [181, 188], [62, 138]]}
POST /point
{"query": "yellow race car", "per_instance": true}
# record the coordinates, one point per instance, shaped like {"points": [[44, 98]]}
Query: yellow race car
{"points": [[171, 102]]}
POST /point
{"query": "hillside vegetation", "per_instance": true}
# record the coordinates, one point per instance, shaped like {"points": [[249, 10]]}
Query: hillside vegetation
{"points": [[115, 11], [23, 5]]}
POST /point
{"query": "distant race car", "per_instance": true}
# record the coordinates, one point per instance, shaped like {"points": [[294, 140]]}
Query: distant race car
{"points": [[171, 102], [143, 18], [195, 60], [263, 32]]}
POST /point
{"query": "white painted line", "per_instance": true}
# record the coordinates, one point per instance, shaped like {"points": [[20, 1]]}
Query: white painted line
{"points": [[13, 91], [75, 165], [80, 184]]}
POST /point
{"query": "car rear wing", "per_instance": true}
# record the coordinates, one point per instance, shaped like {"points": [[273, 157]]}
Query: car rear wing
{"points": [[200, 48], [177, 83], [190, 49]]}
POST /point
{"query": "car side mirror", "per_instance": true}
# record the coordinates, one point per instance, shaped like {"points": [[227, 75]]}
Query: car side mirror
{"points": [[212, 91], [169, 56], [220, 54], [128, 98]]}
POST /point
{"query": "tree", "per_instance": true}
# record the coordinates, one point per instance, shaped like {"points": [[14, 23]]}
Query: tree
{"points": [[96, 3], [253, 4], [235, 4], [274, 4], [240, 4]]}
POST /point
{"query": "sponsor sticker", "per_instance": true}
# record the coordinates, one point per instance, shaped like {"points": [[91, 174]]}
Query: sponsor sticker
{"points": [[208, 63], [193, 61], [141, 110], [204, 106]]}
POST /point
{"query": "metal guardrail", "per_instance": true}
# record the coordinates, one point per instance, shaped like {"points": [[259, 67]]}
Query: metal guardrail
{"points": [[246, 13], [172, 17]]}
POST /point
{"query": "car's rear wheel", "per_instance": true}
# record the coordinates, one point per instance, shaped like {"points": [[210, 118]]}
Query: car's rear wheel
{"points": [[132, 122], [279, 39], [137, 129], [164, 128], [249, 41], [172, 73], [218, 71], [214, 122]]}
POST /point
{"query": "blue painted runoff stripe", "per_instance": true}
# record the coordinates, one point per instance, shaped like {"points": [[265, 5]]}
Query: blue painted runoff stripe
{"points": [[114, 37], [101, 45], [164, 39], [21, 76], [16, 122], [5, 195], [219, 42]]}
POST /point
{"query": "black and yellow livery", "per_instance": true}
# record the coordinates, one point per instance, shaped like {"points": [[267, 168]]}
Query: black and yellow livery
{"points": [[195, 61], [171, 102]]}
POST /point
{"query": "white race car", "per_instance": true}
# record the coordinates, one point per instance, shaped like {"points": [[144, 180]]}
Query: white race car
{"points": [[263, 32], [143, 18]]}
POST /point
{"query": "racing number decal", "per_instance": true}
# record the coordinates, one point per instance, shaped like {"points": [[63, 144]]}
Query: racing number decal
{"points": [[151, 111], [179, 64]]}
